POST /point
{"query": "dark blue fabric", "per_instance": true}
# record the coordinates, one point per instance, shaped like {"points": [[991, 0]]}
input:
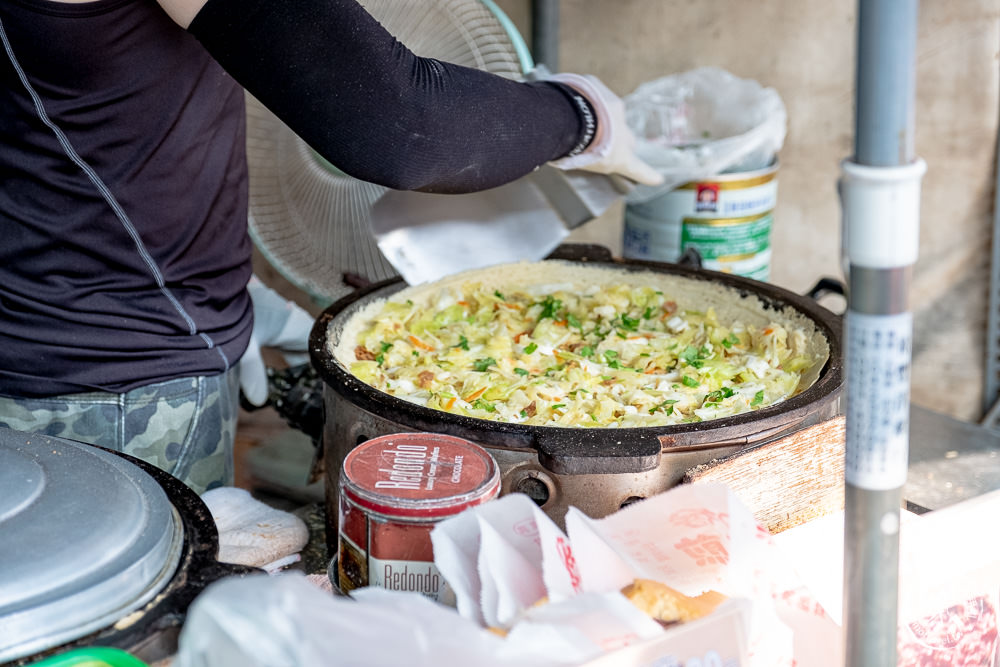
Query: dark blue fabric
{"points": [[378, 112], [162, 125]]}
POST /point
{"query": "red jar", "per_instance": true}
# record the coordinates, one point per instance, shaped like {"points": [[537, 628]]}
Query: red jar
{"points": [[393, 489]]}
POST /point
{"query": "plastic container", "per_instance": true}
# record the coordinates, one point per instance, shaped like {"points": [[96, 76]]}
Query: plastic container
{"points": [[726, 219], [98, 656], [393, 490]]}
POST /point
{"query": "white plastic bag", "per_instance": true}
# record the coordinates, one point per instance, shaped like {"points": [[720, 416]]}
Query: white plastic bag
{"points": [[261, 621], [694, 125]]}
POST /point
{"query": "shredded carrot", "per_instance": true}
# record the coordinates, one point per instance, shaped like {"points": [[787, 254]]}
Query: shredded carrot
{"points": [[421, 344], [450, 403], [561, 323], [768, 331], [474, 395], [463, 303], [512, 306]]}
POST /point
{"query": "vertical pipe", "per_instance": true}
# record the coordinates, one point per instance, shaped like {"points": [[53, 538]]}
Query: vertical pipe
{"points": [[991, 380], [880, 191], [545, 33], [887, 38]]}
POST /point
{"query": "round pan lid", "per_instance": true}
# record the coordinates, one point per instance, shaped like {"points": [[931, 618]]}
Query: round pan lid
{"points": [[87, 538]]}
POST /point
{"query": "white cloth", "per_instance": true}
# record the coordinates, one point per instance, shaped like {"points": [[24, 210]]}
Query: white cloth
{"points": [[277, 323], [254, 533]]}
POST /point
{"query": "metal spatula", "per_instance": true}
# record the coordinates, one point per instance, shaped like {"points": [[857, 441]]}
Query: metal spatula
{"points": [[426, 237]]}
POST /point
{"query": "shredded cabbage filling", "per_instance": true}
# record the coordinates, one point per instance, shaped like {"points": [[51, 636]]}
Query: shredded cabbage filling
{"points": [[608, 356]]}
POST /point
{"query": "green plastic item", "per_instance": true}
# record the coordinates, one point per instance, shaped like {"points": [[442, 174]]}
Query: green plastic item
{"points": [[97, 656]]}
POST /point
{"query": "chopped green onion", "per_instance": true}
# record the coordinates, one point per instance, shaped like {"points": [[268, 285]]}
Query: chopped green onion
{"points": [[531, 348], [480, 404], [482, 364], [668, 404], [758, 398], [694, 356], [463, 342], [630, 323], [522, 371], [550, 307], [717, 395], [498, 295], [689, 381]]}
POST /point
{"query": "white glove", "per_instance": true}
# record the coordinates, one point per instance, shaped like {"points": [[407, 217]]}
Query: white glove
{"points": [[613, 149], [277, 323]]}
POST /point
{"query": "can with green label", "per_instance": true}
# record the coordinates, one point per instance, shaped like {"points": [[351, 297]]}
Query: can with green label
{"points": [[728, 219]]}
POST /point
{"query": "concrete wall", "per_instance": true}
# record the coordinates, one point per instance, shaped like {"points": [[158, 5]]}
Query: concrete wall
{"points": [[805, 49]]}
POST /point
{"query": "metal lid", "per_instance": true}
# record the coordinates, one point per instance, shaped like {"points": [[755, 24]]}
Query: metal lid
{"points": [[87, 537], [419, 475]]}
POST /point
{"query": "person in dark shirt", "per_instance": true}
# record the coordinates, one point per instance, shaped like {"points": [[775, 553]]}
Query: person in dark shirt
{"points": [[124, 252]]}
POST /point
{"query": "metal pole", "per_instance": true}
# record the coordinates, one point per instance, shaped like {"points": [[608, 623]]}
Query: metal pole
{"points": [[991, 383], [887, 39], [880, 190], [545, 33]]}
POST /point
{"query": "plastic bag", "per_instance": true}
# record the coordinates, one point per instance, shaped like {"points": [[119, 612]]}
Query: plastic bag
{"points": [[697, 124], [261, 621]]}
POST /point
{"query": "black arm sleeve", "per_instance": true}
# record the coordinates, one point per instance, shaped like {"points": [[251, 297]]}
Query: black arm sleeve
{"points": [[367, 104]]}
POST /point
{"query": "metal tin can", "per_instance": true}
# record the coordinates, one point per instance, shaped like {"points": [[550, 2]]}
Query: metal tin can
{"points": [[727, 219], [393, 489]]}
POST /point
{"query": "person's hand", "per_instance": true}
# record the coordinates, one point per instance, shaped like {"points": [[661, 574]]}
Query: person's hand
{"points": [[277, 323], [613, 149]]}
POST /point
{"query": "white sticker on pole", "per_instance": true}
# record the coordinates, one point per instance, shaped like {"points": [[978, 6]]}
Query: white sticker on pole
{"points": [[879, 354]]}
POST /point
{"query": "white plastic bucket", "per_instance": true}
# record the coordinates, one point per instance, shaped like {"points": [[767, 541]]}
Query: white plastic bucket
{"points": [[727, 219]]}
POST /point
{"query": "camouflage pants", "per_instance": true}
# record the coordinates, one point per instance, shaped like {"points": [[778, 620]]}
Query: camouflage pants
{"points": [[185, 426]]}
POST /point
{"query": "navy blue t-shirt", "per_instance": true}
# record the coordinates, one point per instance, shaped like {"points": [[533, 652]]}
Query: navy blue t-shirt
{"points": [[124, 251]]}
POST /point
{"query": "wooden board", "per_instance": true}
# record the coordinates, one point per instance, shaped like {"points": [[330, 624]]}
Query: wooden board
{"points": [[788, 481]]}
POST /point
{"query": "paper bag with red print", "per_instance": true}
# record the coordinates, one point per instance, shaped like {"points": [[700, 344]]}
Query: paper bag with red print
{"points": [[696, 538]]}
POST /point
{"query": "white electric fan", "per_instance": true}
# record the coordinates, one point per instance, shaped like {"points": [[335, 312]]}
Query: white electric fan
{"points": [[310, 220]]}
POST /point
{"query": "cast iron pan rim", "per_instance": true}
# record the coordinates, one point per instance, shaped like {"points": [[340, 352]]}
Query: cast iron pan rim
{"points": [[830, 381], [196, 569]]}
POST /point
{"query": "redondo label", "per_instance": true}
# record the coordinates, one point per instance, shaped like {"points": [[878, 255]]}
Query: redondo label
{"points": [[404, 470], [393, 490]]}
